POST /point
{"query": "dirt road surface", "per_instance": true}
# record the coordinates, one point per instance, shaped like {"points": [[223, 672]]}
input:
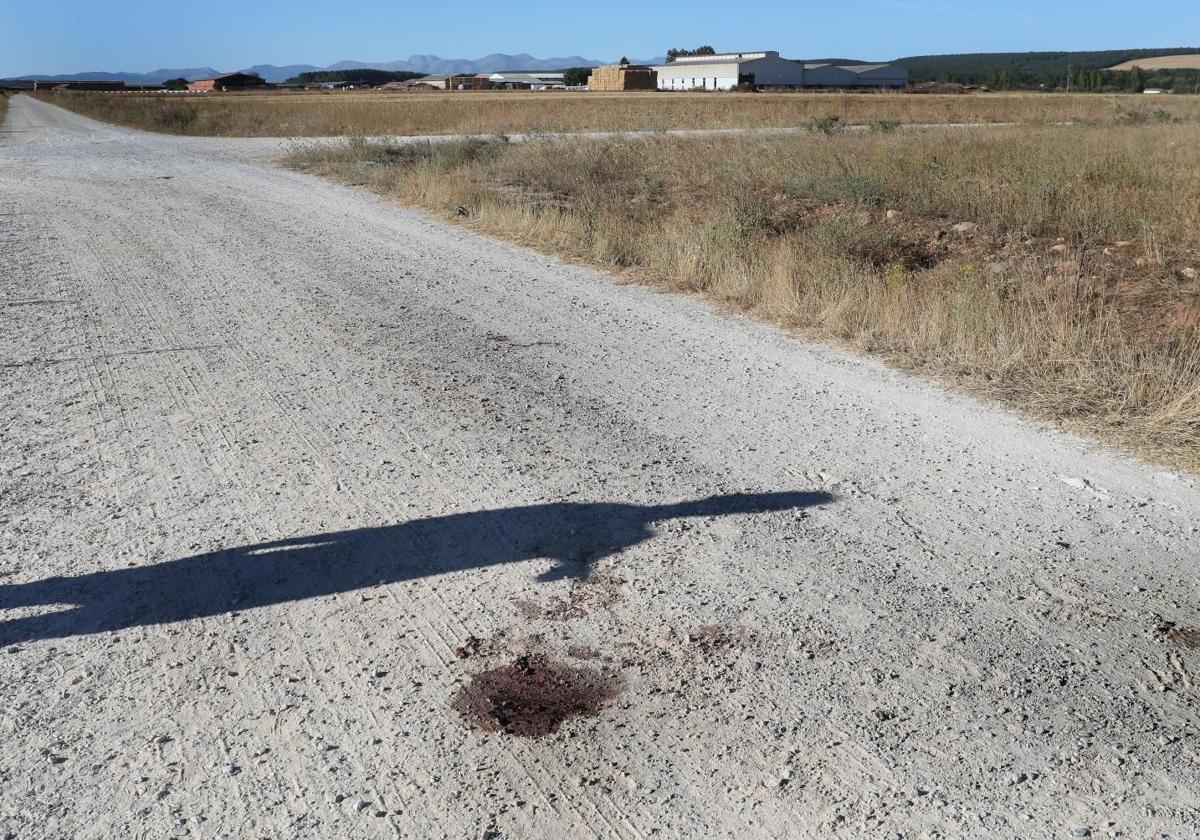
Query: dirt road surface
{"points": [[324, 519]]}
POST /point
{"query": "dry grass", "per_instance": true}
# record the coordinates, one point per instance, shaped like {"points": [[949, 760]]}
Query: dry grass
{"points": [[3, 105], [793, 230], [316, 114]]}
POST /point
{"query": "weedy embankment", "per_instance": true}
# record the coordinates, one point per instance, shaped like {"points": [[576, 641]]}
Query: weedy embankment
{"points": [[369, 114], [1050, 268]]}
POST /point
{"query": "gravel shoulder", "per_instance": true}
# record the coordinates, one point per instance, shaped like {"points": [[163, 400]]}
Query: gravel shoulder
{"points": [[283, 468]]}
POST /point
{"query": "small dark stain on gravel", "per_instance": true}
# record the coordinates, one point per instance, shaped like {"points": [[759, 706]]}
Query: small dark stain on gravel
{"points": [[499, 338], [533, 696], [1188, 637], [599, 591], [468, 648], [711, 637], [554, 609]]}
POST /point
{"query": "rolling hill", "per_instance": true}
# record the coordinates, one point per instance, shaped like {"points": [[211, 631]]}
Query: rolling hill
{"points": [[154, 77]]}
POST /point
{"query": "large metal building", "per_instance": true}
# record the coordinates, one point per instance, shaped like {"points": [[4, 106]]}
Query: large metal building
{"points": [[881, 75], [726, 71], [229, 81], [854, 75], [532, 80], [829, 75], [764, 69]]}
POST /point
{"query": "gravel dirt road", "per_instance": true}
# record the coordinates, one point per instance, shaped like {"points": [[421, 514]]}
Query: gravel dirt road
{"points": [[319, 518]]}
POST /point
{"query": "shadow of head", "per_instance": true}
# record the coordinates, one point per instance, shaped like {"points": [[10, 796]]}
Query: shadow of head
{"points": [[573, 535]]}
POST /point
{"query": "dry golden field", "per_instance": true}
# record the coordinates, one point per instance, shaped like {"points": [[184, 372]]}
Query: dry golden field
{"points": [[1162, 62], [1073, 298], [317, 114]]}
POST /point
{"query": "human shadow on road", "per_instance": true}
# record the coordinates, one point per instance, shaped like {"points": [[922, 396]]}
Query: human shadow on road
{"points": [[575, 535]]}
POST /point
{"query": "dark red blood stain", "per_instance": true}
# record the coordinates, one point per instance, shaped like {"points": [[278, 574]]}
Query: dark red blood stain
{"points": [[533, 696]]}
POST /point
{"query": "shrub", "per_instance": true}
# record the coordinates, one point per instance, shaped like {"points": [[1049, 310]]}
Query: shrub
{"points": [[827, 124], [841, 187], [177, 117], [846, 237], [743, 219]]}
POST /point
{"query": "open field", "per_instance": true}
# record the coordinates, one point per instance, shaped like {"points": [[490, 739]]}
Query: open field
{"points": [[1040, 307], [1164, 62], [315, 114]]}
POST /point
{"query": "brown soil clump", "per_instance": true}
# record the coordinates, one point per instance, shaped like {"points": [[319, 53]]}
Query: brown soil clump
{"points": [[533, 696]]}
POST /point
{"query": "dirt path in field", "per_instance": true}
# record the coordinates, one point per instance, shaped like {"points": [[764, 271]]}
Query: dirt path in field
{"points": [[309, 503]]}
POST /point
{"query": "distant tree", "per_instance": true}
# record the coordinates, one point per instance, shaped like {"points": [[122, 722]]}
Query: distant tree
{"points": [[176, 84], [623, 60], [675, 53], [576, 76], [1137, 80]]}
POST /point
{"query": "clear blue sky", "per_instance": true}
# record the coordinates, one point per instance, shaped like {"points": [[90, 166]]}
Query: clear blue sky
{"points": [[139, 35]]}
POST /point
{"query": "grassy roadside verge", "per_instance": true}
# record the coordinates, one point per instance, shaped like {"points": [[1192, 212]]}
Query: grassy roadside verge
{"points": [[1069, 293], [317, 114], [3, 105]]}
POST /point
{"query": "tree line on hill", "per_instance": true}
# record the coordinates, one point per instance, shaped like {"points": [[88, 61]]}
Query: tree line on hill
{"points": [[368, 75], [1084, 71], [1102, 81]]}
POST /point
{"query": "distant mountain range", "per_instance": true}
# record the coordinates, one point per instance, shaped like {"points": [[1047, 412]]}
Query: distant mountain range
{"points": [[414, 63], [154, 77], [273, 73], [489, 63]]}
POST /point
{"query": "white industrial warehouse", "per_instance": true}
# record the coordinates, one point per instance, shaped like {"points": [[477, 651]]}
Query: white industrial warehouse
{"points": [[765, 69]]}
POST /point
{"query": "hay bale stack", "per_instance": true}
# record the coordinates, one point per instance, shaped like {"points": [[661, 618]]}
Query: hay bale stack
{"points": [[623, 77]]}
